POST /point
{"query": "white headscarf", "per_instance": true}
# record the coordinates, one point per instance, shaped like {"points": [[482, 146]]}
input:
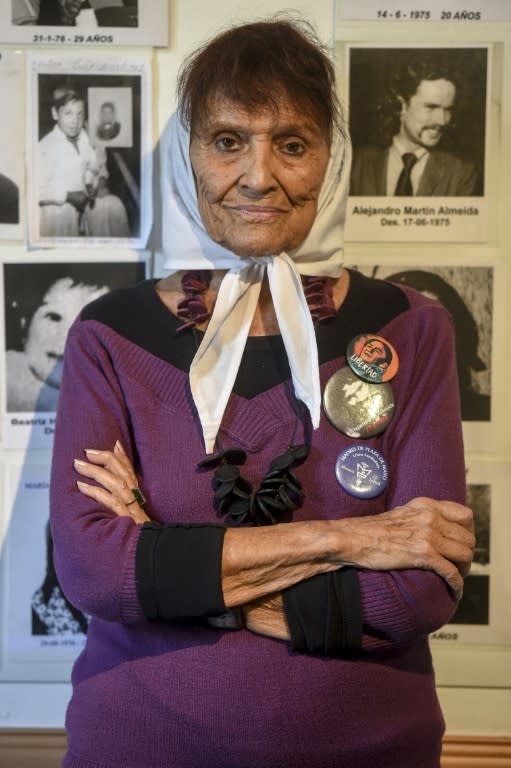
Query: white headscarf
{"points": [[187, 245]]}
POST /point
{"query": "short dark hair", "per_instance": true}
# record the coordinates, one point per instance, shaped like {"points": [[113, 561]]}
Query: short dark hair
{"points": [[64, 95], [386, 356], [255, 65]]}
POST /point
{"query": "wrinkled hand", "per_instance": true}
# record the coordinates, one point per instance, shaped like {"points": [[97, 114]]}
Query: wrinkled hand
{"points": [[267, 617], [78, 200], [424, 533], [116, 478]]}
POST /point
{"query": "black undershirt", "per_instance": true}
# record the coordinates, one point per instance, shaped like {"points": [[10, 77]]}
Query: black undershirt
{"points": [[369, 305]]}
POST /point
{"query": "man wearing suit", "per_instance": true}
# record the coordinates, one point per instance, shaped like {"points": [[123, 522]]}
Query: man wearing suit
{"points": [[413, 164]]}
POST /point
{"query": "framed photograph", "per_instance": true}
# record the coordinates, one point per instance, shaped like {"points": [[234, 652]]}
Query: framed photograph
{"points": [[111, 116], [41, 301], [89, 143], [42, 633], [419, 126], [103, 23], [467, 292], [479, 634], [12, 147]]}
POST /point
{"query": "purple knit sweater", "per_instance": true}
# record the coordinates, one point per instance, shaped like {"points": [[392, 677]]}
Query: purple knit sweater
{"points": [[184, 695]]}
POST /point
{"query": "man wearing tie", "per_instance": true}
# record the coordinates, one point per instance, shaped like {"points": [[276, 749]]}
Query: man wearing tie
{"points": [[414, 164]]}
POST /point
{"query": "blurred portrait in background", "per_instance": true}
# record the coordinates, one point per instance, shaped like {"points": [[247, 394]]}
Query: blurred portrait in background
{"points": [[72, 13], [41, 302]]}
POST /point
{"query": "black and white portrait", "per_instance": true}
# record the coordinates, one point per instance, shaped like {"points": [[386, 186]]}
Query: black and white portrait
{"points": [[474, 607], [418, 121], [479, 501], [9, 201], [51, 612], [467, 293], [41, 302], [111, 116], [41, 624], [94, 23], [11, 143], [87, 188], [76, 13]]}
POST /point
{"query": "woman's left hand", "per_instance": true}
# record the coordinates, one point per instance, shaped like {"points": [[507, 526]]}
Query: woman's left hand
{"points": [[116, 479], [266, 616]]}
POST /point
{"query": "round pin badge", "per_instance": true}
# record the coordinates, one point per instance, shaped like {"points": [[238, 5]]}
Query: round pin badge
{"points": [[372, 358], [362, 471], [355, 407]]}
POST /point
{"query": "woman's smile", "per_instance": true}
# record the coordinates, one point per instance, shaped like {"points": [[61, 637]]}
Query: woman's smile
{"points": [[258, 176]]}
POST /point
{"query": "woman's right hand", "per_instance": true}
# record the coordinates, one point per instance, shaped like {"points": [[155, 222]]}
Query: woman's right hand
{"points": [[116, 479]]}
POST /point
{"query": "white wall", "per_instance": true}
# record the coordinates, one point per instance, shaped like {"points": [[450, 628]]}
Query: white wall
{"points": [[481, 710]]}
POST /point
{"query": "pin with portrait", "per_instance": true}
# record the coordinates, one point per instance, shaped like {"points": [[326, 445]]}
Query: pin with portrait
{"points": [[373, 358]]}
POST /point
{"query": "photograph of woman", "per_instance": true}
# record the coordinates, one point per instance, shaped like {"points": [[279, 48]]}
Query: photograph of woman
{"points": [[247, 607], [41, 303]]}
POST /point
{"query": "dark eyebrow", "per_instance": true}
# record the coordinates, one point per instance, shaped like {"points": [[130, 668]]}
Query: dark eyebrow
{"points": [[296, 130], [290, 129], [435, 104]]}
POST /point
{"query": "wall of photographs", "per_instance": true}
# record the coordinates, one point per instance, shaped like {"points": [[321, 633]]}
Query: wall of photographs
{"points": [[447, 240], [450, 240]]}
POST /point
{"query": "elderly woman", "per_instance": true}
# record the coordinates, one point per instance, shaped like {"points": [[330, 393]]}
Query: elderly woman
{"points": [[217, 638]]}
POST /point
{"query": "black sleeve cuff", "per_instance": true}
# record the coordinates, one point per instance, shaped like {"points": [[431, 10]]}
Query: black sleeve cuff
{"points": [[178, 571], [324, 614]]}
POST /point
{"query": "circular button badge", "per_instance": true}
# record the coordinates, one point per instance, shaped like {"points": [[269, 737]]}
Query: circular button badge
{"points": [[362, 471], [355, 407], [372, 358]]}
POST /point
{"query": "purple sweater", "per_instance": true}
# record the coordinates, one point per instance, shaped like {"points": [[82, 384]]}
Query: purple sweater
{"points": [[182, 694]]}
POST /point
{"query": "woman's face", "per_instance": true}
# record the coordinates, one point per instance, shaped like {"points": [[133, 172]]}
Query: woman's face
{"points": [[46, 337], [258, 176]]}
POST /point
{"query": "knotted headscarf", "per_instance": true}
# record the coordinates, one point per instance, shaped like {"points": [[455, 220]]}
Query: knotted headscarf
{"points": [[188, 246]]}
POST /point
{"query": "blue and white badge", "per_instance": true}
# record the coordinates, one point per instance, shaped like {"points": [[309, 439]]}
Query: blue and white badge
{"points": [[362, 471]]}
